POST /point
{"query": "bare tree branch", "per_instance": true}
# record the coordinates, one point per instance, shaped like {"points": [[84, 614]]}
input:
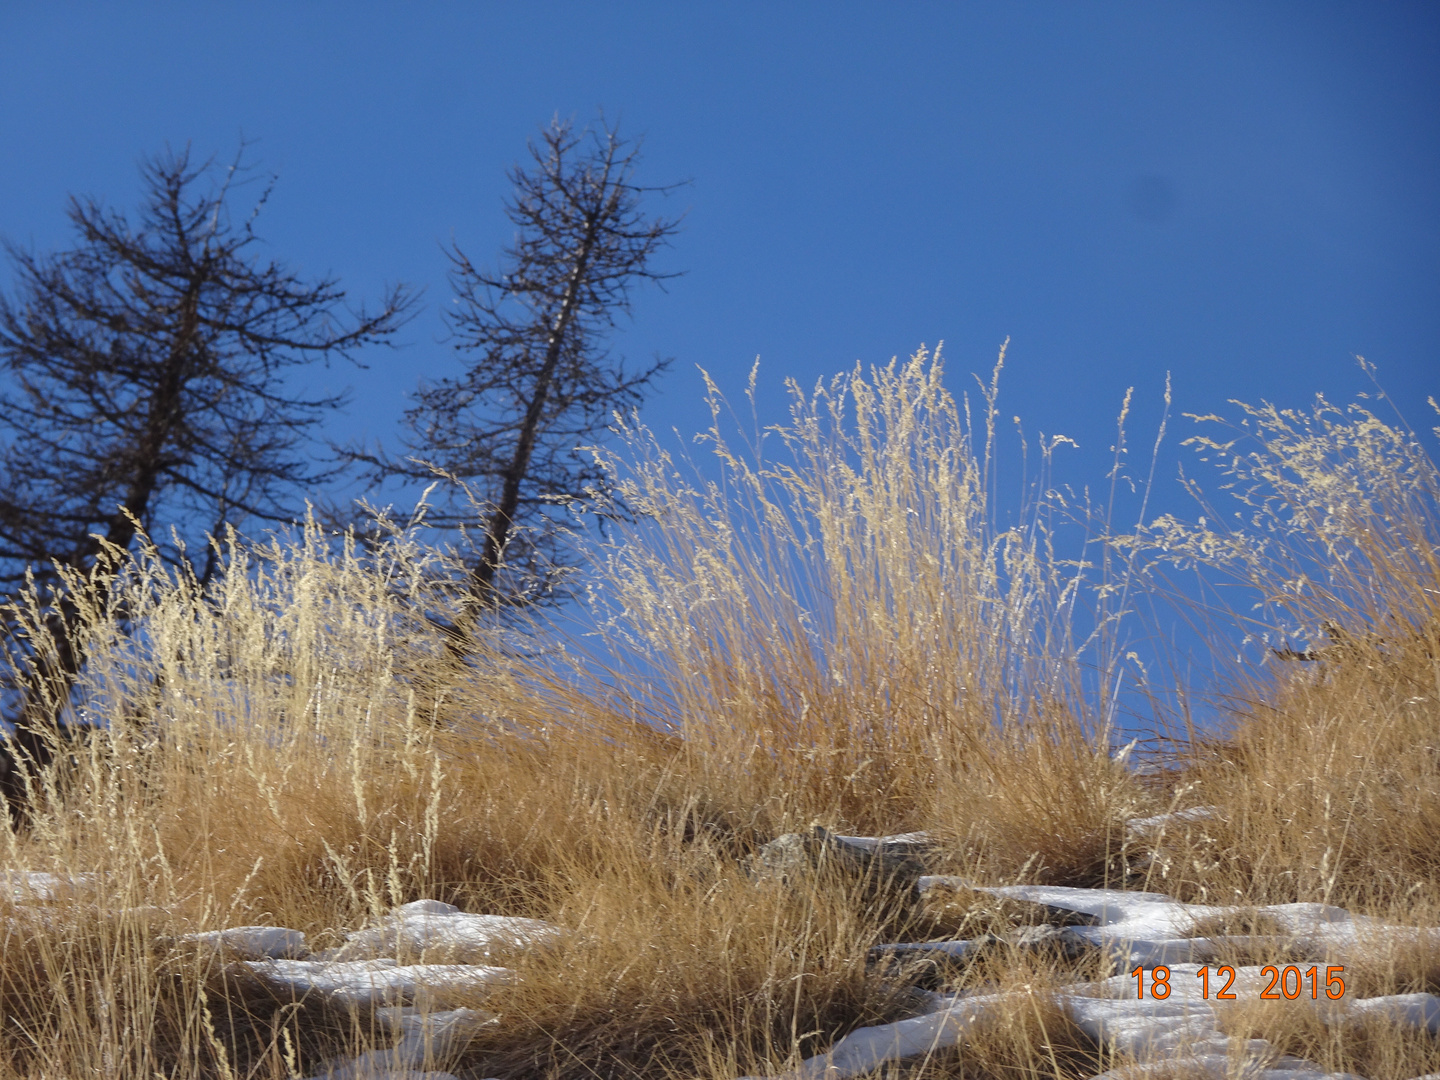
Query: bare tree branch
{"points": [[539, 383], [144, 385]]}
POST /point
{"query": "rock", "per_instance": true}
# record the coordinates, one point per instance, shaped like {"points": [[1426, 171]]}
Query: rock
{"points": [[434, 932], [378, 982], [253, 942], [782, 860], [882, 864], [1059, 941], [913, 843]]}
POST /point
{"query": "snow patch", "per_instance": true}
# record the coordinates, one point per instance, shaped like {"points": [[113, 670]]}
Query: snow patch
{"points": [[1144, 826], [378, 982], [430, 930], [1143, 929]]}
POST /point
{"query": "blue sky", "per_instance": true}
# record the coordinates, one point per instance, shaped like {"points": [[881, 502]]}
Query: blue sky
{"points": [[1244, 195]]}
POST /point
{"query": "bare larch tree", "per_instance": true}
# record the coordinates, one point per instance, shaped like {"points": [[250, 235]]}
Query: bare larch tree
{"points": [[539, 382], [142, 387]]}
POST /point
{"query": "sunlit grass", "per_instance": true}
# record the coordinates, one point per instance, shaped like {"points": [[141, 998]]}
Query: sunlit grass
{"points": [[826, 626]]}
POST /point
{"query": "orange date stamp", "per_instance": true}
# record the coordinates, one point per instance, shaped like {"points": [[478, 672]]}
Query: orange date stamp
{"points": [[1286, 983]]}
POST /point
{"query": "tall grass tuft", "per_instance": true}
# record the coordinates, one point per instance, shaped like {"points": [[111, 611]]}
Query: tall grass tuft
{"points": [[842, 620], [1327, 775]]}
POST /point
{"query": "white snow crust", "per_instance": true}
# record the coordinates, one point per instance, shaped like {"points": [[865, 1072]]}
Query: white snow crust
{"points": [[395, 968], [379, 981], [428, 929]]}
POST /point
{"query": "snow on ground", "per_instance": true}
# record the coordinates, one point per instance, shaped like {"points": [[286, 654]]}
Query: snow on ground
{"points": [[1178, 1031], [1139, 929], [395, 968], [870, 1047], [408, 998], [373, 970], [1149, 826], [1154, 1033]]}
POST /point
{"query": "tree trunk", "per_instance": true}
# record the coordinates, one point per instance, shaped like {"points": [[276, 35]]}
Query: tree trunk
{"points": [[482, 579]]}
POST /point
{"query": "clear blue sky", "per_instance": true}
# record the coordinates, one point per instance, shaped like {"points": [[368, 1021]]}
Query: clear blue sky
{"points": [[1246, 194]]}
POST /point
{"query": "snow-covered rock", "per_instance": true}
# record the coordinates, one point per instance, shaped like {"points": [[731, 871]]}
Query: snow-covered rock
{"points": [[252, 942], [380, 981], [432, 931]]}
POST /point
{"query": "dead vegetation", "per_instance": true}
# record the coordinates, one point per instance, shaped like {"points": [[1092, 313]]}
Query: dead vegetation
{"points": [[840, 636]]}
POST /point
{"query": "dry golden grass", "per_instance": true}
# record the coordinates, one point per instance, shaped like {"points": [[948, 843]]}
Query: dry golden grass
{"points": [[1329, 778], [1029, 1035], [1375, 1047], [837, 635]]}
